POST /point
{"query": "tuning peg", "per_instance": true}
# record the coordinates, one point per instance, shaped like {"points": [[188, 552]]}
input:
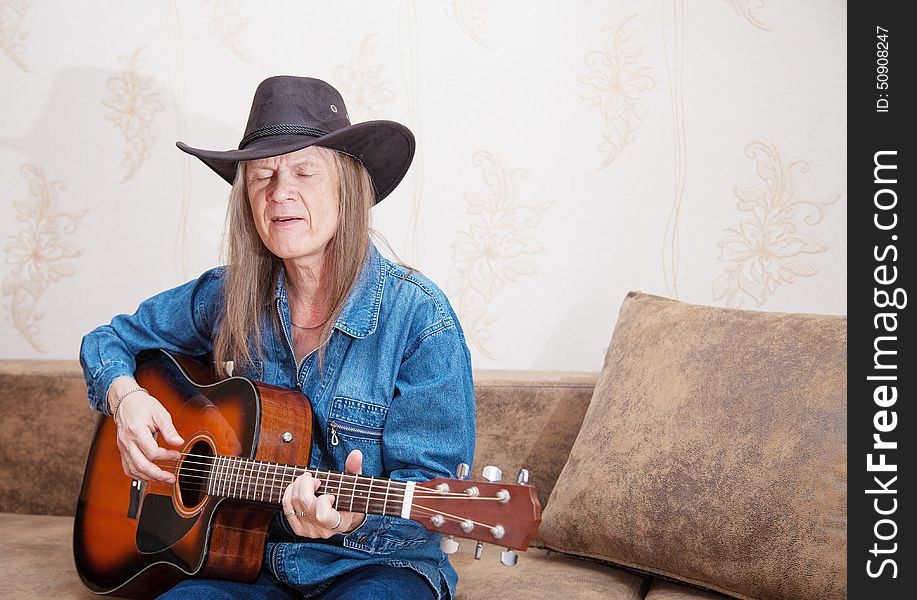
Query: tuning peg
{"points": [[522, 477], [492, 474], [479, 551], [462, 471], [448, 545], [509, 558]]}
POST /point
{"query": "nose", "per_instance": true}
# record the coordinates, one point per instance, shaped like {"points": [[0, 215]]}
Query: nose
{"points": [[282, 188]]}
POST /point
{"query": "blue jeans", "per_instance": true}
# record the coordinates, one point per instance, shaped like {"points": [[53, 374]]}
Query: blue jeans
{"points": [[375, 582]]}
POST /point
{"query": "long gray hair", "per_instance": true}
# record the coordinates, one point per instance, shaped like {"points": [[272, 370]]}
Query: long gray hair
{"points": [[251, 272]]}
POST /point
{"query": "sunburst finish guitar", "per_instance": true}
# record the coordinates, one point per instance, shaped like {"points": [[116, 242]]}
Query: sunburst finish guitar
{"points": [[245, 442]]}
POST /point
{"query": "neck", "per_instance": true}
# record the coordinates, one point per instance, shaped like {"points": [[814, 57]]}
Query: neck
{"points": [[260, 481], [307, 290], [305, 279]]}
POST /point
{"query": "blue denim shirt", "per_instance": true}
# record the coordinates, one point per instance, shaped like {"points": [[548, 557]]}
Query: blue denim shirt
{"points": [[396, 367]]}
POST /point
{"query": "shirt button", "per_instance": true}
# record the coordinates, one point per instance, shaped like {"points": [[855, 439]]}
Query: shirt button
{"points": [[363, 540]]}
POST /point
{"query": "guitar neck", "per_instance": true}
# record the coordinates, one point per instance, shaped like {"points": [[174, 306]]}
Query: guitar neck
{"points": [[261, 481]]}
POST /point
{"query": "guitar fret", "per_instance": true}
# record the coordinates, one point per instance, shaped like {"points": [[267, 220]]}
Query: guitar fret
{"points": [[249, 489], [339, 501], [353, 492], [369, 494], [388, 485], [218, 488], [273, 481], [252, 480], [240, 487], [237, 477], [257, 480]]}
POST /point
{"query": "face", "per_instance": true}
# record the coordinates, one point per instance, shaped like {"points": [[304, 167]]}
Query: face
{"points": [[294, 201]]}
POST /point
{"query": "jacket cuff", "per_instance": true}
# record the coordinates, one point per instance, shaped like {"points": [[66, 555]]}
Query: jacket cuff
{"points": [[101, 382]]}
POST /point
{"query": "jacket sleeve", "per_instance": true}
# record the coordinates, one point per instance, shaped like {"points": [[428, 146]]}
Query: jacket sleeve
{"points": [[429, 430], [178, 320]]}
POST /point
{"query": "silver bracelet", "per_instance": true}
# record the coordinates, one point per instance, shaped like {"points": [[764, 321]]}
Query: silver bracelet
{"points": [[114, 413]]}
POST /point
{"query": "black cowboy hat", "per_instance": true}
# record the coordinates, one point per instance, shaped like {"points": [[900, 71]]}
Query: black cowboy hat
{"points": [[291, 113]]}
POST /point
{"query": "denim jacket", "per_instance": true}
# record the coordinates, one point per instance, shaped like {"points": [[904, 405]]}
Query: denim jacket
{"points": [[397, 385]]}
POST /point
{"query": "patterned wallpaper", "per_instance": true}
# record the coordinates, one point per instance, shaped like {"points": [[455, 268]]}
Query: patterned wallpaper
{"points": [[567, 153]]}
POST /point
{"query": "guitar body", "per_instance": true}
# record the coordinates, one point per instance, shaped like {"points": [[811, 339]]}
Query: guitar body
{"points": [[138, 539]]}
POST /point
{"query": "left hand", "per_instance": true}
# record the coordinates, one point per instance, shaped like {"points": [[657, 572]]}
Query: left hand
{"points": [[315, 516]]}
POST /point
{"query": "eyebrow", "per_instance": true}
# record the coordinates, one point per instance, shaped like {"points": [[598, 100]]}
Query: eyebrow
{"points": [[306, 161]]}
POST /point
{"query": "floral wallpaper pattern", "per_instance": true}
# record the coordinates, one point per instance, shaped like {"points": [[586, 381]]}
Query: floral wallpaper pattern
{"points": [[133, 105], [12, 32], [361, 84], [615, 86], [471, 16], [39, 254], [673, 41], [630, 116], [225, 21], [769, 246], [497, 248], [748, 9]]}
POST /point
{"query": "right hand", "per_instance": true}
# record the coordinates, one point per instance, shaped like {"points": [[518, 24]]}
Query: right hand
{"points": [[139, 417]]}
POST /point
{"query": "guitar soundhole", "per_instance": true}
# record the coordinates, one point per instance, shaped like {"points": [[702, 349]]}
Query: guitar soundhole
{"points": [[194, 474]]}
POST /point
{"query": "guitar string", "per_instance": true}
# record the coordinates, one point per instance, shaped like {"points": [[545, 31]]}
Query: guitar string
{"points": [[255, 485], [255, 462], [246, 470], [459, 519]]}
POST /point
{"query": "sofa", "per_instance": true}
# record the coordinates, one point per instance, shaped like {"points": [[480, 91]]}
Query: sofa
{"points": [[706, 460]]}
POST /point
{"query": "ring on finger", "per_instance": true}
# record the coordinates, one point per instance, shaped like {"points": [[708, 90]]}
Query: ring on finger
{"points": [[302, 514], [292, 513], [130, 463], [340, 520]]}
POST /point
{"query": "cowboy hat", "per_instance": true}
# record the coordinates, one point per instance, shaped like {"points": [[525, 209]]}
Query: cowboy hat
{"points": [[291, 113]]}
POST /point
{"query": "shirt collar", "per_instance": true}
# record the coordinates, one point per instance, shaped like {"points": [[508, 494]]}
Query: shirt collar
{"points": [[360, 315]]}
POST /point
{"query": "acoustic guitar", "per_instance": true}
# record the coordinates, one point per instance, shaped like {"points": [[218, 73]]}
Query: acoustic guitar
{"points": [[245, 442]]}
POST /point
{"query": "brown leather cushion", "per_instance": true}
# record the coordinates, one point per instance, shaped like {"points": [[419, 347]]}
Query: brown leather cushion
{"points": [[44, 435], [714, 452]]}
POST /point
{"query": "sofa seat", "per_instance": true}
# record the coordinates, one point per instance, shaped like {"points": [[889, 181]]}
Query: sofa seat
{"points": [[36, 562], [541, 575], [36, 558]]}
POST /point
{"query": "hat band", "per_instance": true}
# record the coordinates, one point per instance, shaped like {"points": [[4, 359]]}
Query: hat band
{"points": [[280, 129]]}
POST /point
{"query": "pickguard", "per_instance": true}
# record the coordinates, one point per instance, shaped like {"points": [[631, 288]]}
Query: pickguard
{"points": [[160, 526]]}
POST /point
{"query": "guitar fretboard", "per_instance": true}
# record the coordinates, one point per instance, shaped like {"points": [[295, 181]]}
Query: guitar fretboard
{"points": [[261, 481]]}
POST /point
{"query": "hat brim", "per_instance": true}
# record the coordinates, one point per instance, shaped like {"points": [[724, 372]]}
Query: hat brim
{"points": [[385, 148]]}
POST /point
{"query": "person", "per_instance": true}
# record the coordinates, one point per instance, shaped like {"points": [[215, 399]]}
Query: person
{"points": [[307, 301]]}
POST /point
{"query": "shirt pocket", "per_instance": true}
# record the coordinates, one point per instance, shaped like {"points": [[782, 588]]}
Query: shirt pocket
{"points": [[356, 425]]}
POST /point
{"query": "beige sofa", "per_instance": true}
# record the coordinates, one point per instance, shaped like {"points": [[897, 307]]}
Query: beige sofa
{"points": [[529, 419]]}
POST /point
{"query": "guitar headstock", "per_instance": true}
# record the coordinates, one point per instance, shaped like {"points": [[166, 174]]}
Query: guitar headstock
{"points": [[489, 511]]}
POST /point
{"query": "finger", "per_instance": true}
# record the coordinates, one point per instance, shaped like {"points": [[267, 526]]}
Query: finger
{"points": [[163, 421], [354, 462], [149, 451], [142, 438], [143, 468], [325, 515], [125, 466], [286, 502], [303, 493]]}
